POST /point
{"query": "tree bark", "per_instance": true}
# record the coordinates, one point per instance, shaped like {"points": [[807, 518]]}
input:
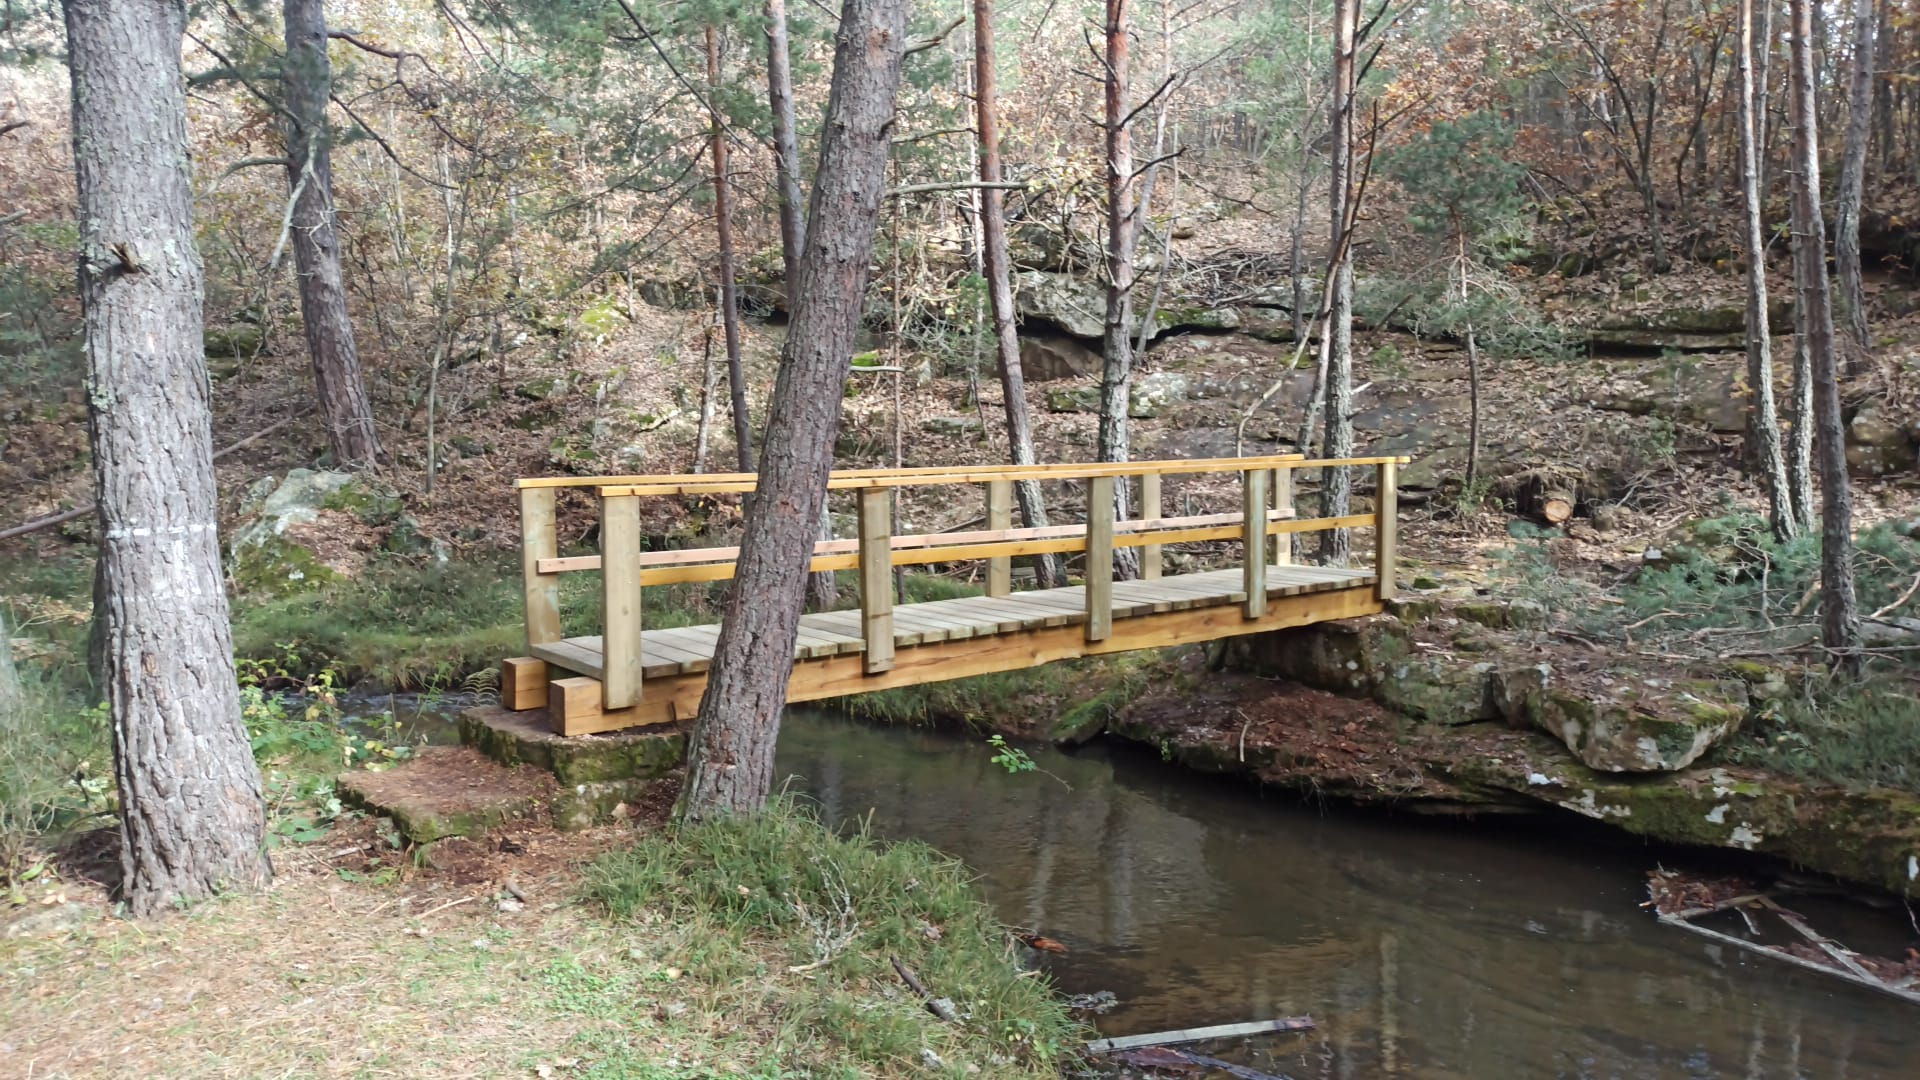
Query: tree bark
{"points": [[723, 229], [1853, 174], [308, 78], [1839, 613], [1763, 421], [191, 814], [823, 589], [730, 765], [1116, 373], [999, 274], [1337, 483]]}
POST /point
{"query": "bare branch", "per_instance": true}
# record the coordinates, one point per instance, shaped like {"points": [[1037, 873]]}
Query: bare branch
{"points": [[923, 46]]}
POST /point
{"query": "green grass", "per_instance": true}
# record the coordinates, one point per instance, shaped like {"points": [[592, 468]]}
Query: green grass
{"points": [[759, 906]]}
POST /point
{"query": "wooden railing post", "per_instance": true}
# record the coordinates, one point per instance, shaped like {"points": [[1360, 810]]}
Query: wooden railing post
{"points": [[1254, 520], [1099, 558], [1283, 502], [620, 590], [876, 577], [1150, 509], [1386, 523], [539, 540], [999, 518]]}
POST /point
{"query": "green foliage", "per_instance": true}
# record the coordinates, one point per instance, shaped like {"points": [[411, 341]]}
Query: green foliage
{"points": [[1459, 176], [1011, 758], [838, 907], [55, 768], [1857, 736]]}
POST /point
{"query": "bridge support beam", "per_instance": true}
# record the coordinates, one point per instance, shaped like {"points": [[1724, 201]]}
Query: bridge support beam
{"points": [[1386, 529], [1254, 517], [1151, 509], [620, 588], [1283, 502], [876, 578], [538, 541], [999, 519], [1099, 558]]}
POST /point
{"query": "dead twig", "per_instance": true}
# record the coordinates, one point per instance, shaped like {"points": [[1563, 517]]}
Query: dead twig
{"points": [[938, 1006]]}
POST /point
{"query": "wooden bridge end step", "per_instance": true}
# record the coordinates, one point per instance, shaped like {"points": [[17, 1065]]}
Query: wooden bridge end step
{"points": [[576, 707], [523, 683]]}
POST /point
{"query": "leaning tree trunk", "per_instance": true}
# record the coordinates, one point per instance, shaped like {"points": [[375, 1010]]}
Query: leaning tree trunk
{"points": [[1338, 482], [1853, 174], [723, 228], [1839, 613], [1763, 421], [308, 77], [1116, 373], [823, 590], [730, 765], [192, 818], [993, 240]]}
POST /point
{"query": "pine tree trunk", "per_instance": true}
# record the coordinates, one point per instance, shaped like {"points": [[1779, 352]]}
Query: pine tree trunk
{"points": [[191, 814], [308, 78], [999, 274], [1853, 173], [1116, 373], [730, 764], [1839, 612], [823, 589], [1763, 421], [723, 229], [1337, 499]]}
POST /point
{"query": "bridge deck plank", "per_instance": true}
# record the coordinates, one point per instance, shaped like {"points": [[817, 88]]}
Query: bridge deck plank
{"points": [[689, 649]]}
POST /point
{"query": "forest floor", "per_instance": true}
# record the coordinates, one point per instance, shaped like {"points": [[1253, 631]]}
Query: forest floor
{"points": [[532, 953]]}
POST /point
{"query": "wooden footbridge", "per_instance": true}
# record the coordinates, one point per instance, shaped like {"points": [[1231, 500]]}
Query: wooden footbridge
{"points": [[628, 675]]}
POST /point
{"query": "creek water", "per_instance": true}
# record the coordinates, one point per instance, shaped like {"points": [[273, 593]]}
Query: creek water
{"points": [[1422, 948]]}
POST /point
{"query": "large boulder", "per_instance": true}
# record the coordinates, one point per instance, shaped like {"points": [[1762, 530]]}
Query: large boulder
{"points": [[1078, 306], [1149, 396], [1620, 721], [1878, 444], [1044, 358], [305, 530]]}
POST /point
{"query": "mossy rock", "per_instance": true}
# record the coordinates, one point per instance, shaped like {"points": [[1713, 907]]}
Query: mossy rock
{"points": [[362, 499], [236, 341], [515, 738], [1440, 690], [1623, 722], [275, 567], [1343, 656], [448, 791], [582, 806]]}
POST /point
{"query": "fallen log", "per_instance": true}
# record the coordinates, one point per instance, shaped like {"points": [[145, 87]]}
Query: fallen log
{"points": [[1166, 1057], [65, 516], [938, 1006], [1199, 1034], [1548, 494]]}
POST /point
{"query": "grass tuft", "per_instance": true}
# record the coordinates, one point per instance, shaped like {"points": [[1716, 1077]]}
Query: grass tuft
{"points": [[831, 911]]}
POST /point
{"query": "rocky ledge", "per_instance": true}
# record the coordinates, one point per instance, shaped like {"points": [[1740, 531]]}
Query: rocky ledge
{"points": [[1376, 711]]}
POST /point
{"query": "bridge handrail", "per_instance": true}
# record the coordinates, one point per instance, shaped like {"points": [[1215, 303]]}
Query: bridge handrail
{"points": [[1066, 471], [1267, 511]]}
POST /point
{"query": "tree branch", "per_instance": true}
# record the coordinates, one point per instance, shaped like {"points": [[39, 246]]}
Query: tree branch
{"points": [[958, 185], [923, 46]]}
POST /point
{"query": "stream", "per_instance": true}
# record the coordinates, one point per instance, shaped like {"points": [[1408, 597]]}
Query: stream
{"points": [[1422, 947]]}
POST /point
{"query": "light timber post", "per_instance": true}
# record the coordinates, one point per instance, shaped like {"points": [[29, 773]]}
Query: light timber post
{"points": [[620, 588], [1254, 520], [999, 519], [1099, 558], [1386, 514], [539, 540], [876, 577], [1283, 505], [1151, 510]]}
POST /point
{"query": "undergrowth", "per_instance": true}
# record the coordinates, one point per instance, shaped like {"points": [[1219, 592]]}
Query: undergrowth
{"points": [[789, 931], [1856, 736]]}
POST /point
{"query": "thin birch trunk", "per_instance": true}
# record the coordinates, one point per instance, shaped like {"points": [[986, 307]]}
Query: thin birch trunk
{"points": [[1839, 610], [1116, 373], [1763, 421], [1337, 482], [723, 227], [1853, 174], [999, 274]]}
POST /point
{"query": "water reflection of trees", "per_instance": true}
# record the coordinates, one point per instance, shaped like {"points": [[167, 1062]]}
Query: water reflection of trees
{"points": [[1421, 951]]}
